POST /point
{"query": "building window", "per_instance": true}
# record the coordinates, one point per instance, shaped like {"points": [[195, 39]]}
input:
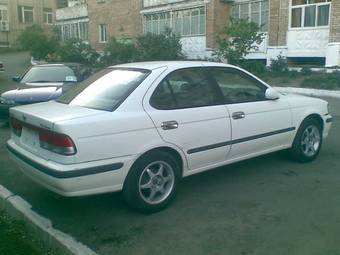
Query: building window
{"points": [[102, 33], [310, 13], [77, 30], [84, 31], [48, 16], [255, 11], [25, 14], [188, 22], [3, 14], [4, 25]]}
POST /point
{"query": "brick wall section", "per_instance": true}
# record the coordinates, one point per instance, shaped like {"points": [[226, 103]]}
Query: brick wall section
{"points": [[122, 17], [15, 27], [278, 22], [335, 22], [217, 17]]}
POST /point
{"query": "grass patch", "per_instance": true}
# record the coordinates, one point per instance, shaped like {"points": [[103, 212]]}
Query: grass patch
{"points": [[323, 81], [304, 79], [14, 238]]}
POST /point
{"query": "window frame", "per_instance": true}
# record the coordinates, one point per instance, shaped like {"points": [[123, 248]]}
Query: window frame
{"points": [[82, 31], [247, 76], [303, 12], [21, 12], [4, 10], [250, 12], [47, 15], [171, 17], [216, 90], [102, 33]]}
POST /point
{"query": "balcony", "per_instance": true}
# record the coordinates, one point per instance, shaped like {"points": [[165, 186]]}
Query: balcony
{"points": [[75, 12], [153, 3]]}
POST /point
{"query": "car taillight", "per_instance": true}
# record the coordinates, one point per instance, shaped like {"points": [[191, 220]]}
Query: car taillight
{"points": [[55, 142], [16, 126]]}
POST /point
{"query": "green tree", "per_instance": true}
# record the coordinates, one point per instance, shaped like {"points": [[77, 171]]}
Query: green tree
{"points": [[237, 39], [75, 50], [165, 46], [119, 51], [35, 40]]}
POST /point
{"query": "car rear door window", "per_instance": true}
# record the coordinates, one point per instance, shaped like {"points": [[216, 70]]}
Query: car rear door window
{"points": [[237, 86], [186, 88]]}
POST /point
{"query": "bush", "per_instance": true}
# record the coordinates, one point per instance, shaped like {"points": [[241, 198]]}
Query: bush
{"points": [[293, 74], [306, 71], [35, 40], [165, 46], [119, 51], [243, 37], [279, 65], [256, 67], [75, 50], [322, 81]]}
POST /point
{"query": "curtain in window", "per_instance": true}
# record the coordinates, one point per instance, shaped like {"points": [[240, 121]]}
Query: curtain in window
{"points": [[323, 15], [296, 17], [310, 13]]}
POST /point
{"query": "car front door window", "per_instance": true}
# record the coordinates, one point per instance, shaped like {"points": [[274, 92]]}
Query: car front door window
{"points": [[238, 87]]}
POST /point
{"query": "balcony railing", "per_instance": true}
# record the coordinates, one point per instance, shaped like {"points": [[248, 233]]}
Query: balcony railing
{"points": [[152, 3]]}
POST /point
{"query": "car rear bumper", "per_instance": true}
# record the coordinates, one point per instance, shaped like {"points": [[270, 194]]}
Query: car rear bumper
{"points": [[75, 179]]}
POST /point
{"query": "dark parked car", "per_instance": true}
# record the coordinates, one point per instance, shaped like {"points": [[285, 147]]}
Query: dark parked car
{"points": [[43, 83]]}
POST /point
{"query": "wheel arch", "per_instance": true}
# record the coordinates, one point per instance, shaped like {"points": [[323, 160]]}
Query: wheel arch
{"points": [[179, 157], [315, 116]]}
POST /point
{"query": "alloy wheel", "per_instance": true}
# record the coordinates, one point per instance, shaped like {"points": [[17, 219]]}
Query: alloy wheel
{"points": [[156, 182], [310, 141]]}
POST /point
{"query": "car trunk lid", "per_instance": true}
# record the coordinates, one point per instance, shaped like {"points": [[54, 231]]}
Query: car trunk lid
{"points": [[35, 118]]}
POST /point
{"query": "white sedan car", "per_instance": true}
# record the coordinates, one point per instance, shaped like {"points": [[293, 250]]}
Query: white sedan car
{"points": [[141, 127]]}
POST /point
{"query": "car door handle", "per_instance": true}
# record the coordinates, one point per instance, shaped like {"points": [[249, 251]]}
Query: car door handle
{"points": [[166, 125], [238, 115]]}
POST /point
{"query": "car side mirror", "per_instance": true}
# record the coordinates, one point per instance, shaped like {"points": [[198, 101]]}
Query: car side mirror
{"points": [[16, 78], [272, 94]]}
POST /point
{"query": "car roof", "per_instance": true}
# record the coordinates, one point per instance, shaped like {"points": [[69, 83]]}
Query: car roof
{"points": [[58, 64], [170, 64]]}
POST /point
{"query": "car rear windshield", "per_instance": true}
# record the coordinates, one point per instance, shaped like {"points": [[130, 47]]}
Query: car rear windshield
{"points": [[105, 90], [41, 74]]}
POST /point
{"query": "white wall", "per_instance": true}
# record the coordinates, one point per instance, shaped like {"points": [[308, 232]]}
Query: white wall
{"points": [[307, 42], [195, 47]]}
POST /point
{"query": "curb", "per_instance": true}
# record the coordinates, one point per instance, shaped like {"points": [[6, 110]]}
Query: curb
{"points": [[41, 227], [310, 92]]}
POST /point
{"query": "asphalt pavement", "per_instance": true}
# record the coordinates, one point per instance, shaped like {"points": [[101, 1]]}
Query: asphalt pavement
{"points": [[16, 63], [267, 205]]}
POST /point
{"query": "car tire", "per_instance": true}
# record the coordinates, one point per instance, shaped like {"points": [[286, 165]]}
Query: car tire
{"points": [[307, 142], [152, 181]]}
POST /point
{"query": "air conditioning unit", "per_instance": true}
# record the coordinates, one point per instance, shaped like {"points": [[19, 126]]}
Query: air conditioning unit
{"points": [[4, 26]]}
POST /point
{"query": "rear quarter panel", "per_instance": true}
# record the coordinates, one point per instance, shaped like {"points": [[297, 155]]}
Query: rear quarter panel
{"points": [[111, 135]]}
